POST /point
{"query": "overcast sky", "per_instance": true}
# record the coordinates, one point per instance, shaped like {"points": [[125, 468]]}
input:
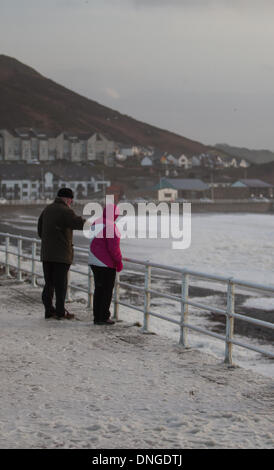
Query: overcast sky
{"points": [[201, 68]]}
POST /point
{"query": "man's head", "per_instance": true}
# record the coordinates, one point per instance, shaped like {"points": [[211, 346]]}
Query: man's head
{"points": [[66, 194]]}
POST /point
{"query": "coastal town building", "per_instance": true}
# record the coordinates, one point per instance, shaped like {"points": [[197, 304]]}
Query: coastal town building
{"points": [[174, 189], [167, 195], [146, 161], [184, 162], [32, 145], [33, 182], [189, 188], [252, 188], [241, 189]]}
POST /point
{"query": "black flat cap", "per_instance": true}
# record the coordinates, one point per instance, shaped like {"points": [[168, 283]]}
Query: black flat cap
{"points": [[65, 192]]}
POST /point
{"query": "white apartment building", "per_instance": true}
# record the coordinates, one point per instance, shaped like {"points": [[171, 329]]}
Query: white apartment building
{"points": [[99, 148], [31, 145], [32, 182], [20, 189]]}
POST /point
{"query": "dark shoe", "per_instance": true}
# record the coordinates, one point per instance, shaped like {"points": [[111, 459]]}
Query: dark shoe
{"points": [[106, 322], [51, 313], [66, 316]]}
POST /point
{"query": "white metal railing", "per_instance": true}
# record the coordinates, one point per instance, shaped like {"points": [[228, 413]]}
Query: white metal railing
{"points": [[183, 323]]}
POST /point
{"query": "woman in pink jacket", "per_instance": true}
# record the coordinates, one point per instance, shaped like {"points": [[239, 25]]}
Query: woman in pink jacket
{"points": [[105, 259]]}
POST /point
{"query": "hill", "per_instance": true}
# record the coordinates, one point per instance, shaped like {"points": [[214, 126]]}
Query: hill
{"points": [[253, 156], [28, 99]]}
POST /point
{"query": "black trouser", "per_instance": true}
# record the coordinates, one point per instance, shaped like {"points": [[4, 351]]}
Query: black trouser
{"points": [[104, 279], [56, 281]]}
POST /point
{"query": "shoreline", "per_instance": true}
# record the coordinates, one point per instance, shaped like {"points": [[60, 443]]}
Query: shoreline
{"points": [[197, 207]]}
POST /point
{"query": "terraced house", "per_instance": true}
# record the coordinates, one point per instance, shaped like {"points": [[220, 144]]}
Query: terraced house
{"points": [[32, 145], [32, 182]]}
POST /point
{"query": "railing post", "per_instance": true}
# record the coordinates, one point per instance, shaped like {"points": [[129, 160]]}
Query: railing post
{"points": [[229, 321], [90, 288], [19, 255], [147, 298], [7, 266], [184, 311], [116, 297], [33, 256]]}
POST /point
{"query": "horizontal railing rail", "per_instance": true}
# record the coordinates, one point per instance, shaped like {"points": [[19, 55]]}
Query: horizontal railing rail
{"points": [[183, 299]]}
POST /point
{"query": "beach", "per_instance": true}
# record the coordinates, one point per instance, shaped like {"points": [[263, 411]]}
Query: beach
{"points": [[72, 384]]}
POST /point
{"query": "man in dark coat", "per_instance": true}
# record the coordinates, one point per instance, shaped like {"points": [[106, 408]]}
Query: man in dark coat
{"points": [[55, 226]]}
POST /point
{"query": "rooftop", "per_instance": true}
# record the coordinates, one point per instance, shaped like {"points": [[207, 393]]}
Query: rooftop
{"points": [[64, 171], [187, 184], [252, 183]]}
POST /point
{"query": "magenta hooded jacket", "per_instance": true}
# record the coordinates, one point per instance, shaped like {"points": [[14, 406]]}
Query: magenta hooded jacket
{"points": [[105, 240]]}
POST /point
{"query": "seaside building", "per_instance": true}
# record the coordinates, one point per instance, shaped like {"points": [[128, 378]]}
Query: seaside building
{"points": [[241, 189], [32, 145], [146, 161], [172, 189], [184, 162], [166, 191], [252, 188], [189, 188], [32, 182]]}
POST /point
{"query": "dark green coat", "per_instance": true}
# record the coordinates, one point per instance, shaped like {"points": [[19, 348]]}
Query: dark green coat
{"points": [[55, 226]]}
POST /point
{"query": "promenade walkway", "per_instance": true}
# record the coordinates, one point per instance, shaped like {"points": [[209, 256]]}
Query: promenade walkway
{"points": [[71, 384]]}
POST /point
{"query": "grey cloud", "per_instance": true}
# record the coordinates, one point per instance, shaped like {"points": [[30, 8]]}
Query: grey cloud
{"points": [[168, 3], [201, 3]]}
